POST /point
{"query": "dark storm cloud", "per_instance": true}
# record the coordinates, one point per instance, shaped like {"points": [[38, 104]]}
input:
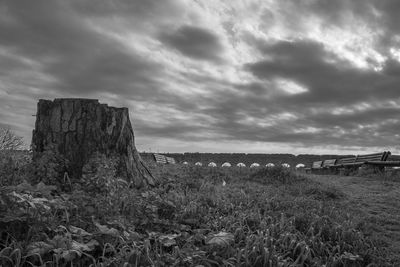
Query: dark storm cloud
{"points": [[178, 131], [331, 83], [328, 78], [365, 127], [375, 127], [139, 10], [79, 60], [194, 42], [52, 47], [71, 48], [392, 68], [354, 118]]}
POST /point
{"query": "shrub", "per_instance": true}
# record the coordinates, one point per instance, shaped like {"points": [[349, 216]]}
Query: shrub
{"points": [[49, 167]]}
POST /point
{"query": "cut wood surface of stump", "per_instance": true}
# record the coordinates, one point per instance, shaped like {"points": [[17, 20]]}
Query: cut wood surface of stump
{"points": [[80, 128]]}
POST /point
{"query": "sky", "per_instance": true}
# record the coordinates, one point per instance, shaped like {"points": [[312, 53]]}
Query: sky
{"points": [[256, 76]]}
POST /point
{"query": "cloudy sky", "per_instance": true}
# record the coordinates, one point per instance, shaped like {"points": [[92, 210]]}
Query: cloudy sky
{"points": [[297, 76]]}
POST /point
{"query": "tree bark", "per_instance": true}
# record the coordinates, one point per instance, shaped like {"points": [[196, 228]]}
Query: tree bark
{"points": [[80, 128]]}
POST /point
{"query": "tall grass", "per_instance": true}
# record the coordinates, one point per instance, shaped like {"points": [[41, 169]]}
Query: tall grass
{"points": [[197, 216]]}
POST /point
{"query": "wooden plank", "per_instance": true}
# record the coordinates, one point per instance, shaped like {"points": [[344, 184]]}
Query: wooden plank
{"points": [[160, 158], [352, 164], [371, 157], [378, 159], [329, 163], [317, 164], [384, 163], [347, 161], [386, 157], [170, 160]]}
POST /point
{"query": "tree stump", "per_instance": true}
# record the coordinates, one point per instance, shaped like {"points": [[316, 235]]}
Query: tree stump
{"points": [[78, 129]]}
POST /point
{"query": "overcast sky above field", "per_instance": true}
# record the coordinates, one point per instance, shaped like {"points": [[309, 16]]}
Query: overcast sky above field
{"points": [[299, 76]]}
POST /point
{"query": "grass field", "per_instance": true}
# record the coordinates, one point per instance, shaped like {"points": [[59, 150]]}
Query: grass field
{"points": [[201, 217], [375, 201]]}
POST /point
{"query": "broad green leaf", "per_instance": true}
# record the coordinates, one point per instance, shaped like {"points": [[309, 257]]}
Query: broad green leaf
{"points": [[220, 239], [84, 247], [168, 240], [39, 247], [107, 231], [78, 231]]}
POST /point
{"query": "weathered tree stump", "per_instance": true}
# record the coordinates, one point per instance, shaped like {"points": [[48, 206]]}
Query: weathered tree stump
{"points": [[80, 128]]}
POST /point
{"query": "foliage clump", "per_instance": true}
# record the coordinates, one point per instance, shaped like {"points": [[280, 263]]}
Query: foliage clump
{"points": [[49, 167]]}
